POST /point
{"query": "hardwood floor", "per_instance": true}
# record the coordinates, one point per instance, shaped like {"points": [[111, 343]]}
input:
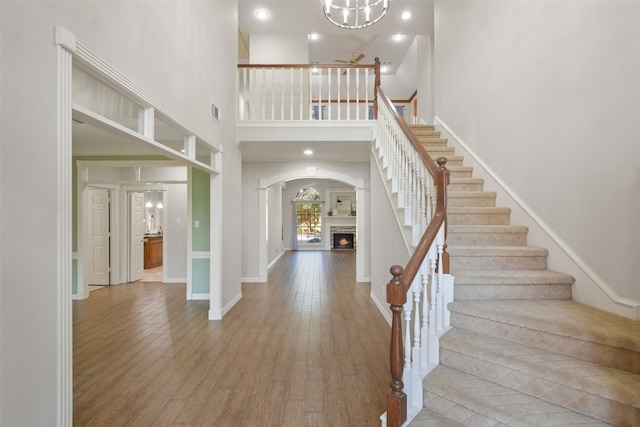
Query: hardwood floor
{"points": [[309, 348]]}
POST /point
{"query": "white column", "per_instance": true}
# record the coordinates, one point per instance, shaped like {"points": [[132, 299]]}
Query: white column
{"points": [[262, 231], [66, 44], [363, 249], [215, 241]]}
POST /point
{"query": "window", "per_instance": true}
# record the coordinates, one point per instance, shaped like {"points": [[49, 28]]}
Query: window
{"points": [[309, 216]]}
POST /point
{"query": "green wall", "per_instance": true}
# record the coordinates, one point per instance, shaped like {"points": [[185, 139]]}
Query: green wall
{"points": [[200, 196], [201, 276]]}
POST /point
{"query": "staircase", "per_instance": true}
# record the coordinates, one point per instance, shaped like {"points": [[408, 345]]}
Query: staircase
{"points": [[520, 352]]}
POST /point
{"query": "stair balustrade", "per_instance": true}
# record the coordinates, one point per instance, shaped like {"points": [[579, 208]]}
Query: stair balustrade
{"points": [[424, 287], [307, 91]]}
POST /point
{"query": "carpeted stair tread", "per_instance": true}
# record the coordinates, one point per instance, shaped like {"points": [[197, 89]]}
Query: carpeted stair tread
{"points": [[560, 318], [497, 251], [478, 210], [471, 193], [512, 277], [477, 402], [606, 393], [474, 228]]}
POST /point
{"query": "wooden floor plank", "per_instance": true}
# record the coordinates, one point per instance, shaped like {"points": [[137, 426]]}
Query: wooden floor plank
{"points": [[307, 348]]}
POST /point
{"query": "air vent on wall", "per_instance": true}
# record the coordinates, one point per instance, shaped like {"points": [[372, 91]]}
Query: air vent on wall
{"points": [[215, 112]]}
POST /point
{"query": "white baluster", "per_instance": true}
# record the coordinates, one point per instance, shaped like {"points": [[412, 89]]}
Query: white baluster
{"points": [[319, 94], [329, 93], [348, 70], [273, 94], [282, 94], [366, 93], [291, 94], [301, 106], [264, 94], [357, 71], [339, 107], [254, 83], [244, 91], [407, 339], [434, 350], [424, 330], [440, 301], [310, 94]]}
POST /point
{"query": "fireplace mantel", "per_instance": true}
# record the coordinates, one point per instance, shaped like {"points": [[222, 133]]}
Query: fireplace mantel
{"points": [[337, 220]]}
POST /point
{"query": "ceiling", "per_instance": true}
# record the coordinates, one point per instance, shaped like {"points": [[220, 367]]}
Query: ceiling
{"points": [[300, 17], [303, 17]]}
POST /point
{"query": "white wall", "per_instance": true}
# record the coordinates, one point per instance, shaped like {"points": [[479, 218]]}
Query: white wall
{"points": [[547, 94], [425, 85], [184, 69], [388, 247], [278, 49]]}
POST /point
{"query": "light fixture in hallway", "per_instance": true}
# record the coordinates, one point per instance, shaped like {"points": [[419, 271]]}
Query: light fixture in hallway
{"points": [[354, 14]]}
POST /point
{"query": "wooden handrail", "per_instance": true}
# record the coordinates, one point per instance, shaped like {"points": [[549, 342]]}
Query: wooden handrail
{"points": [[401, 280]]}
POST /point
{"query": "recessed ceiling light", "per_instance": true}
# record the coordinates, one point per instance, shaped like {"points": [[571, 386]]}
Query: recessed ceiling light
{"points": [[397, 37], [308, 152], [406, 15], [384, 69], [262, 14], [313, 36]]}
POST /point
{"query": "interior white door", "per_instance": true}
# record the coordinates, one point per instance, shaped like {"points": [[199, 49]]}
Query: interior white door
{"points": [[98, 235], [136, 227]]}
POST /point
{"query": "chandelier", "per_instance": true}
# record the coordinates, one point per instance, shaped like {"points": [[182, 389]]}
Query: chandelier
{"points": [[354, 14]]}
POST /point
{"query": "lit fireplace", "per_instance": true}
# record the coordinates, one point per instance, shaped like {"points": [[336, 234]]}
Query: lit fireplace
{"points": [[343, 241]]}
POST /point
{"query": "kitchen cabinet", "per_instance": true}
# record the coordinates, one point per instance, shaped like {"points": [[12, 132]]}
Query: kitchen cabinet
{"points": [[152, 251]]}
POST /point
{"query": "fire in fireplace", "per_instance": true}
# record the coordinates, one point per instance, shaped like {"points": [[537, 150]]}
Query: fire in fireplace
{"points": [[343, 241]]}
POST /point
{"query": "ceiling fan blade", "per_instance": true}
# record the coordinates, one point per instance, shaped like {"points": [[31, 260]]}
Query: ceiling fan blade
{"points": [[340, 60], [358, 58]]}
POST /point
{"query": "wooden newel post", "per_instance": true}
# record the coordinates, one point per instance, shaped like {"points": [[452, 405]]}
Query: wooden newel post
{"points": [[396, 398]]}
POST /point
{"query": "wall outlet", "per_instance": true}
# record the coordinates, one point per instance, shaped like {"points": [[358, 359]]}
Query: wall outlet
{"points": [[197, 224]]}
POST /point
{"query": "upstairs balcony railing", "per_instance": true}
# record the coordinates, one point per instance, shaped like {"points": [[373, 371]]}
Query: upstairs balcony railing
{"points": [[307, 91]]}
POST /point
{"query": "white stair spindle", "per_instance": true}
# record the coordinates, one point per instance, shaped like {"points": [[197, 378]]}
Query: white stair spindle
{"points": [[310, 94], [328, 93], [339, 80], [357, 71], [348, 70], [273, 94]]}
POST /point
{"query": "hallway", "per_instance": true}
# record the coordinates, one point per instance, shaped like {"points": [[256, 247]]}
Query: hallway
{"points": [[307, 348]]}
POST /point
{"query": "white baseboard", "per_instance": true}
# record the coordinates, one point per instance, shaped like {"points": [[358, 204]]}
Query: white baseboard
{"points": [[275, 260], [175, 280], [589, 288], [252, 280], [199, 297], [384, 308], [233, 302]]}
